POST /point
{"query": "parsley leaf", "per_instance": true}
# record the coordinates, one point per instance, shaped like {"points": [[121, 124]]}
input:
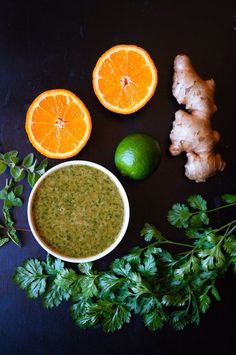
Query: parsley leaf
{"points": [[153, 320], [148, 268], [31, 278], [86, 268], [229, 198], [88, 286], [53, 266], [108, 283], [162, 286], [115, 317], [150, 232], [204, 303], [197, 202], [68, 280], [179, 216], [54, 295]]}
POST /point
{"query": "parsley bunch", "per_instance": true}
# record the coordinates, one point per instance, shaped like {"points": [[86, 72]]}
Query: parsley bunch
{"points": [[160, 286], [11, 193]]}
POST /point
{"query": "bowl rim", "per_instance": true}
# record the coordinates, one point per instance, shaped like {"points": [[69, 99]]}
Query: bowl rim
{"points": [[125, 219]]}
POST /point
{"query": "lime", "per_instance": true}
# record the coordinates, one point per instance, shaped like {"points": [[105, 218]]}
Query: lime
{"points": [[137, 156]]}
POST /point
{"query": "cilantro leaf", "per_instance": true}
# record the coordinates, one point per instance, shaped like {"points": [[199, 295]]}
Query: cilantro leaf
{"points": [[230, 245], [148, 268], [150, 232], [133, 258], [108, 283], [147, 303], [204, 303], [165, 256], [68, 280], [120, 267], [53, 266], [179, 319], [153, 320], [157, 284], [197, 202], [199, 219], [30, 277], [85, 313], [179, 216], [88, 286], [215, 293], [229, 198], [54, 295], [115, 317], [86, 268]]}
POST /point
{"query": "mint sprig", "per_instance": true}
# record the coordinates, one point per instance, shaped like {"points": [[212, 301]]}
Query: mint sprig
{"points": [[160, 286]]}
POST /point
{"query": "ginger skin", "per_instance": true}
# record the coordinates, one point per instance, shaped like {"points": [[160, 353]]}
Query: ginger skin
{"points": [[192, 132]]}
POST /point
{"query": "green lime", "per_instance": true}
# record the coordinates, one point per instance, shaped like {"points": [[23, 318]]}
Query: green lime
{"points": [[137, 156]]}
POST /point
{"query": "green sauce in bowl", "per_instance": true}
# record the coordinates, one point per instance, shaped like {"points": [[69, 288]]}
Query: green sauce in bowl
{"points": [[77, 211]]}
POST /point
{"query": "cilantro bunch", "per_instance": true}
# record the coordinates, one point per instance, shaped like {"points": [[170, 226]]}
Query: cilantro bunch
{"points": [[11, 192], [160, 286]]}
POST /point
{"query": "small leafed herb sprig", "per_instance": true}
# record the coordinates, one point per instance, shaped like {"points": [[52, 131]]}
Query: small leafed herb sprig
{"points": [[11, 193], [19, 170], [160, 286]]}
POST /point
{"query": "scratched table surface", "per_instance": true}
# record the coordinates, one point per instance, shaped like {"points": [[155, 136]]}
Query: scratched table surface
{"points": [[46, 45]]}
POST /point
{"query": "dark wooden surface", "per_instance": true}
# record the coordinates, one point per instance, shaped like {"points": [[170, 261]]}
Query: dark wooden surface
{"points": [[47, 44]]}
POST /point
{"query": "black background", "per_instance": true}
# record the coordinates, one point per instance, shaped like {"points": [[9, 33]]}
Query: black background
{"points": [[46, 45]]}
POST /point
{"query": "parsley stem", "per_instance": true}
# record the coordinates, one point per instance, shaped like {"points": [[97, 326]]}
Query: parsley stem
{"points": [[215, 209], [220, 208], [175, 243], [225, 226], [231, 230], [166, 241]]}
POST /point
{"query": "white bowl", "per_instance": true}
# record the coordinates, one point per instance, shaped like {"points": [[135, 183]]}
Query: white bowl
{"points": [[123, 227]]}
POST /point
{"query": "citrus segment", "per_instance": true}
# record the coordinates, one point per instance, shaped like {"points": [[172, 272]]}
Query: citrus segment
{"points": [[58, 124], [124, 78]]}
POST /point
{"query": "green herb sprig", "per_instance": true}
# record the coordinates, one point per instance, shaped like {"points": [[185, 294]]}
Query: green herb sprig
{"points": [[11, 193], [160, 286], [19, 170]]}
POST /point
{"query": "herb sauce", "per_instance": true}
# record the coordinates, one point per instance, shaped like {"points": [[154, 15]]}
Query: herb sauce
{"points": [[78, 211]]}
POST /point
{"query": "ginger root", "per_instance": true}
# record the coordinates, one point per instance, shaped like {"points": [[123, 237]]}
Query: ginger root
{"points": [[192, 132]]}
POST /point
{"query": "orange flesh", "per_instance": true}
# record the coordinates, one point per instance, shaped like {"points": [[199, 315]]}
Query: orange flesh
{"points": [[125, 79], [58, 124]]}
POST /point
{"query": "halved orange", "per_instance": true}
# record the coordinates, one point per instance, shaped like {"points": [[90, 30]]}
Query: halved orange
{"points": [[58, 124], [124, 78]]}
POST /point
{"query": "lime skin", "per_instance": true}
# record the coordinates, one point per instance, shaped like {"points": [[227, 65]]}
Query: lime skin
{"points": [[137, 156]]}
